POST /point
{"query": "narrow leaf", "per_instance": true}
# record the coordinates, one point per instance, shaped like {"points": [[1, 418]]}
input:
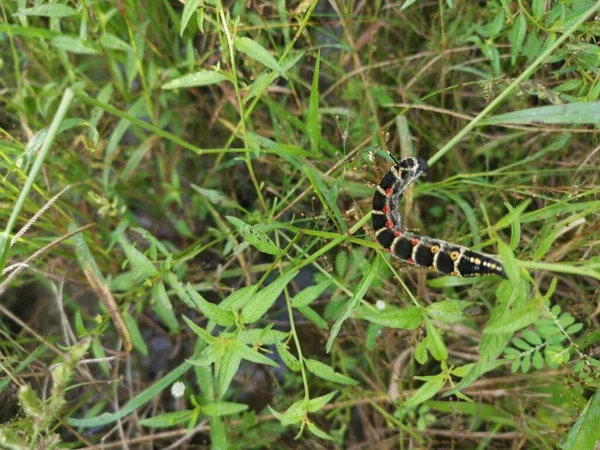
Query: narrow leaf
{"points": [[306, 296], [327, 373], [517, 37], [448, 311], [136, 335], [142, 266], [570, 113], [190, 7], [255, 51], [435, 343], [257, 239], [56, 10], [222, 408], [354, 302], [163, 307], [210, 310], [203, 334], [585, 434], [245, 352], [312, 119], [426, 391], [226, 366], [288, 358], [316, 404], [260, 303], [407, 318], [201, 78], [168, 419]]}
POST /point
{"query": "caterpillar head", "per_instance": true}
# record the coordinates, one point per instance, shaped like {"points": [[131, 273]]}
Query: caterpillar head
{"points": [[414, 166]]}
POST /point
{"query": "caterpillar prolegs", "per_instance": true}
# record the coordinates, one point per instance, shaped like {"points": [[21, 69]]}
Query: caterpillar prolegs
{"points": [[421, 251]]}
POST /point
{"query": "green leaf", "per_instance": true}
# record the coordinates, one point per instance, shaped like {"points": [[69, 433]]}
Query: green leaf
{"points": [[517, 37], [210, 310], [142, 266], [448, 311], [318, 432], [406, 4], [312, 315], [163, 307], [531, 337], [260, 302], [353, 303], [515, 365], [316, 404], [407, 318], [435, 343], [226, 366], [55, 10], [295, 413], [306, 296], [574, 328], [426, 391], [520, 343], [215, 197], [190, 7], [238, 299], [201, 78], [509, 262], [245, 352], [222, 408], [288, 358], [585, 433], [570, 113], [421, 351], [327, 373], [256, 239], [73, 45], [493, 344], [526, 363], [203, 334], [168, 419], [312, 119], [255, 51], [515, 320], [261, 336], [113, 42], [538, 7], [461, 371], [136, 336]]}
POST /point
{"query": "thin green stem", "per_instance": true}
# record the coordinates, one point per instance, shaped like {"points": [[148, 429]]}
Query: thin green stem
{"points": [[61, 112], [511, 87], [242, 123]]}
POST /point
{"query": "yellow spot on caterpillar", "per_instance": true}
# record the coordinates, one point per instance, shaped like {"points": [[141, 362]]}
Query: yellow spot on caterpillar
{"points": [[477, 261], [454, 255], [434, 249], [432, 267], [455, 274]]}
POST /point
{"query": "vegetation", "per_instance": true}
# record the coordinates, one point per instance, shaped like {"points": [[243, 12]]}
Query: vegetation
{"points": [[186, 251]]}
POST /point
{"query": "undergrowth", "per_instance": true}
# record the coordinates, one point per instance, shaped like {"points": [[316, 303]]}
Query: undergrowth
{"points": [[187, 258]]}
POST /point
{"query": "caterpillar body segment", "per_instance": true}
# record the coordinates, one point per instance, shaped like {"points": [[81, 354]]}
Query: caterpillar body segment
{"points": [[421, 251]]}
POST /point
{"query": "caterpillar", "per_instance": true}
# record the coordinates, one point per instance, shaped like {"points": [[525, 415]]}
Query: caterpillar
{"points": [[421, 251]]}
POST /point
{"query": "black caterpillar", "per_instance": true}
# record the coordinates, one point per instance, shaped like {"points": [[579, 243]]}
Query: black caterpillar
{"points": [[421, 251]]}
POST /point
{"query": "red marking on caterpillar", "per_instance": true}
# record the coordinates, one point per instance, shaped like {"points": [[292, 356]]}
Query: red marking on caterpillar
{"points": [[397, 233], [386, 209], [414, 241], [389, 191], [389, 224], [410, 261]]}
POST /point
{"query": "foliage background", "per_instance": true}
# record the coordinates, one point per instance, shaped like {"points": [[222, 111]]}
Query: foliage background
{"points": [[185, 198]]}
